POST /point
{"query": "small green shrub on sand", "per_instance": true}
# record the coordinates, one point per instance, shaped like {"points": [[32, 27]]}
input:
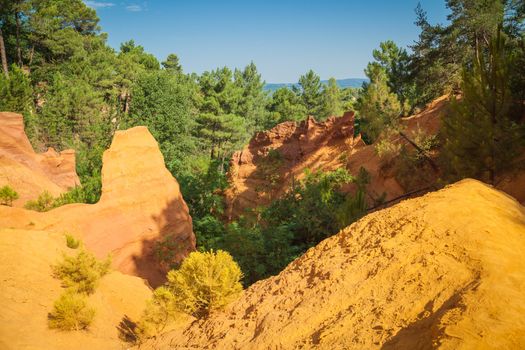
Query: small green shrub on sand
{"points": [[44, 202], [7, 195], [71, 312], [81, 272], [72, 242]]}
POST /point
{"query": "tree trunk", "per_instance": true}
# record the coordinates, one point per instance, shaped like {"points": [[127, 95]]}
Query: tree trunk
{"points": [[2, 54], [420, 150], [18, 48]]}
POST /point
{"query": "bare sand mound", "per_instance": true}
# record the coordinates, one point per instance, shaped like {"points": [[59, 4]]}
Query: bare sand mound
{"points": [[30, 173], [140, 204], [28, 291], [256, 178], [445, 270]]}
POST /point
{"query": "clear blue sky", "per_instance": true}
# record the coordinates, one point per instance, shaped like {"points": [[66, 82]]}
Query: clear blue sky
{"points": [[284, 38]]}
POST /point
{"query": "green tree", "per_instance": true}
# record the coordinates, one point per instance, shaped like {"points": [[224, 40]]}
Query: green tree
{"points": [[378, 107], [16, 93], [309, 91], [221, 129], [285, 105], [331, 100], [8, 195], [163, 102], [172, 64], [252, 101], [480, 140], [395, 62]]}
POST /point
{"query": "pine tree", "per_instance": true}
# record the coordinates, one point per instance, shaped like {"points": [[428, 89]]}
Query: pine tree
{"points": [[378, 107], [252, 102], [331, 98], [284, 106], [172, 64], [310, 92], [480, 140]]}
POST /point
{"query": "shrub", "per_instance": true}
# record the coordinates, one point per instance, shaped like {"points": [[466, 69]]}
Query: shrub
{"points": [[44, 202], [160, 310], [81, 272], [72, 242], [7, 195], [71, 313], [205, 282], [74, 195]]}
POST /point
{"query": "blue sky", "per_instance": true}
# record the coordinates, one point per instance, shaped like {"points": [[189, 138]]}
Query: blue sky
{"points": [[284, 38]]}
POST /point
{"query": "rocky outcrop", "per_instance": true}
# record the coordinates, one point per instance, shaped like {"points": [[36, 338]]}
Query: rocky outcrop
{"points": [[295, 147], [141, 204], [30, 173], [273, 159], [445, 270]]}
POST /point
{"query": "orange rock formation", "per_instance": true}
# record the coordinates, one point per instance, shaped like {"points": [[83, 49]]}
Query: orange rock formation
{"points": [[30, 173], [140, 204], [445, 270], [315, 145]]}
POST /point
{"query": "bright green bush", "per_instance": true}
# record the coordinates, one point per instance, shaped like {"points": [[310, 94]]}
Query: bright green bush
{"points": [[205, 282], [7, 195], [71, 313], [81, 272], [72, 242]]}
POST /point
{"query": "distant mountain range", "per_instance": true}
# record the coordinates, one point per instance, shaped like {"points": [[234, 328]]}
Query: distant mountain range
{"points": [[342, 83]]}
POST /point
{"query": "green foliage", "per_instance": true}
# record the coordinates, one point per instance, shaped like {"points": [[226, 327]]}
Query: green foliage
{"points": [[480, 140], [172, 64], [163, 102], [16, 92], [310, 93], [378, 107], [311, 211], [285, 105], [71, 241], [71, 313], [44, 202], [395, 61], [205, 282], [82, 272], [331, 100], [8, 195], [252, 101]]}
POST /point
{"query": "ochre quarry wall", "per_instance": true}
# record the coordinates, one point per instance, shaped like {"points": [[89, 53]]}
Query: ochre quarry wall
{"points": [[31, 173], [141, 203]]}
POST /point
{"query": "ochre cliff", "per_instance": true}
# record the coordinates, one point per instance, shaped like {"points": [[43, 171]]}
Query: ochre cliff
{"points": [[30, 173], [141, 203], [256, 178], [444, 270]]}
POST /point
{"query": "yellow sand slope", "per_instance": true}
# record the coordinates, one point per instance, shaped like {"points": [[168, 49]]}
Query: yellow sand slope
{"points": [[446, 270], [27, 293]]}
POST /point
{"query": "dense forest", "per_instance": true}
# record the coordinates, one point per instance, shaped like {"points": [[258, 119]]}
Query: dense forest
{"points": [[75, 91]]}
